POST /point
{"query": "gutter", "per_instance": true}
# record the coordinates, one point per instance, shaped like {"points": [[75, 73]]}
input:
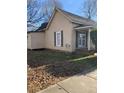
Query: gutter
{"points": [[83, 27]]}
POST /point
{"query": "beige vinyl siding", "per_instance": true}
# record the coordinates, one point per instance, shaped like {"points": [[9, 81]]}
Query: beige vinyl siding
{"points": [[29, 41], [73, 40], [59, 23], [37, 40]]}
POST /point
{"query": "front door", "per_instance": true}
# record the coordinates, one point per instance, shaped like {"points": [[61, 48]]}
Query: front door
{"points": [[82, 40]]}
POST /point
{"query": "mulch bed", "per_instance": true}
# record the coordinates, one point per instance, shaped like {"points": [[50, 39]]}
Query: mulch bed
{"points": [[39, 79]]}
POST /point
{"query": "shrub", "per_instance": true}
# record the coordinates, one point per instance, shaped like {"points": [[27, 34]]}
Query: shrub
{"points": [[93, 36]]}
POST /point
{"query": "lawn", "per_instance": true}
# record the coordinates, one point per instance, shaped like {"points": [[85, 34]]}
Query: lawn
{"points": [[47, 67]]}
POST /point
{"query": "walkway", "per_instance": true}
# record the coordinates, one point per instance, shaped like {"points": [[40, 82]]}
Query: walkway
{"points": [[76, 84]]}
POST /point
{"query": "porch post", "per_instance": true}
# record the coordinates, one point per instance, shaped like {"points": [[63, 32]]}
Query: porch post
{"points": [[88, 41]]}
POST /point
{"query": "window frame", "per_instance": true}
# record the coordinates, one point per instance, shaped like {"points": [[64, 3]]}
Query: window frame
{"points": [[58, 39]]}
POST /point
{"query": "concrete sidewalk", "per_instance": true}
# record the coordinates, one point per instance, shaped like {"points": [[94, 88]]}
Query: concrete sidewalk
{"points": [[76, 84]]}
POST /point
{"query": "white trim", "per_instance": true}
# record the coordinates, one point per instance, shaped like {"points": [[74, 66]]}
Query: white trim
{"points": [[85, 27]]}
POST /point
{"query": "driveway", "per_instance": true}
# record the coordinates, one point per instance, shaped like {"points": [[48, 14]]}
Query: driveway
{"points": [[76, 84]]}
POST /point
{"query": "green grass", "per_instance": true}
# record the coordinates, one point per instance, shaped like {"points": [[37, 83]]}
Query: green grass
{"points": [[48, 57]]}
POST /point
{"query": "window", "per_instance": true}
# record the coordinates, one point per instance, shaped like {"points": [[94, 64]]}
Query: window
{"points": [[81, 40], [58, 38]]}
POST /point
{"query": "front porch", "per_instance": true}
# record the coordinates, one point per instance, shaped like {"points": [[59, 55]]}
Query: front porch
{"points": [[83, 40]]}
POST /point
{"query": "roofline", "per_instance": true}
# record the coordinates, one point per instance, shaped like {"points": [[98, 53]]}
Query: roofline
{"points": [[51, 18], [67, 17], [56, 9], [36, 31]]}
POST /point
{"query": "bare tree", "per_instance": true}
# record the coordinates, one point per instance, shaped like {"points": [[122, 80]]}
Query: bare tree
{"points": [[39, 11], [48, 7], [34, 14], [90, 8]]}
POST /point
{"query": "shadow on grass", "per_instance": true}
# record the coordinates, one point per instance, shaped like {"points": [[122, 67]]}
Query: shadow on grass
{"points": [[49, 57], [67, 69]]}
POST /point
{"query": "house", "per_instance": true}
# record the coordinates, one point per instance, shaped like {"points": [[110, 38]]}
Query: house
{"points": [[65, 31]]}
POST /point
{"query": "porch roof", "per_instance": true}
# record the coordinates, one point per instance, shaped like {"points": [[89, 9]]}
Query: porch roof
{"points": [[84, 27]]}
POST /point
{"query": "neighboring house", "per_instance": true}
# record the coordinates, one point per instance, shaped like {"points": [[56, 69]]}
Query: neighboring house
{"points": [[65, 31]]}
